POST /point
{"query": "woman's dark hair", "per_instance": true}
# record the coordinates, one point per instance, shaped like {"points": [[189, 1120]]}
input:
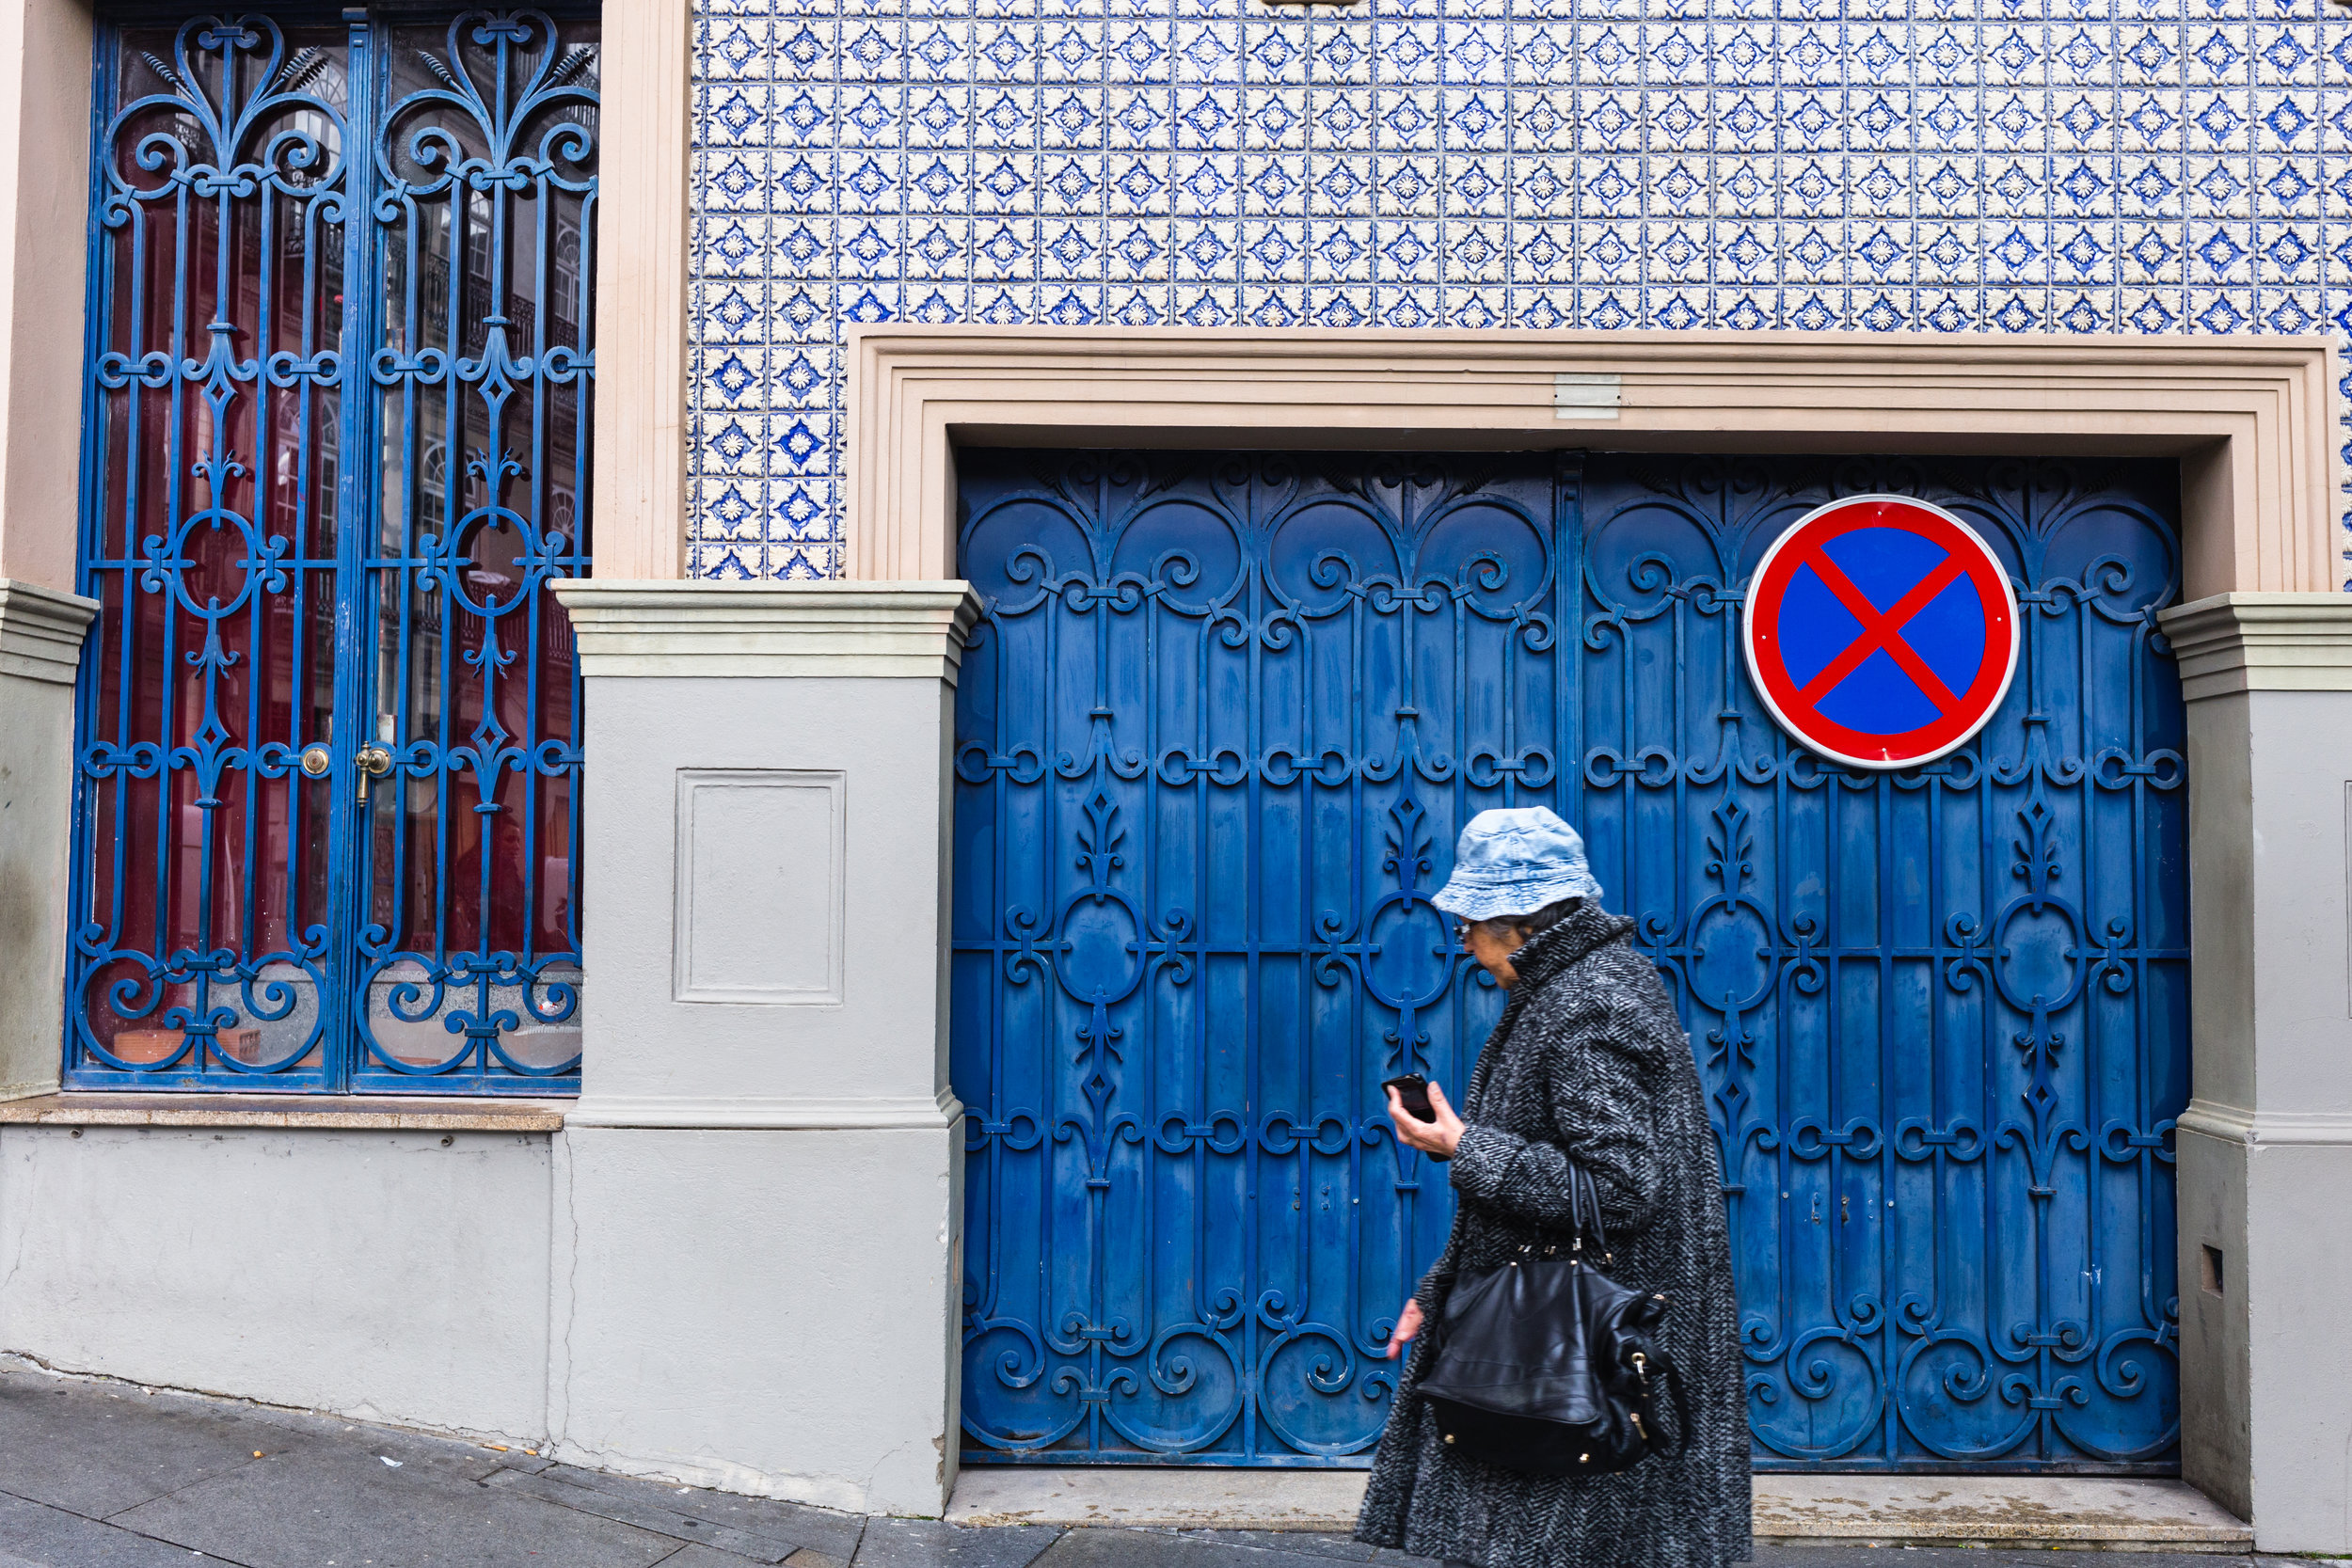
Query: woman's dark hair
{"points": [[1534, 925]]}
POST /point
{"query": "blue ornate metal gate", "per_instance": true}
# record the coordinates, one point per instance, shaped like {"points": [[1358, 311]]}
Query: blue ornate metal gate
{"points": [[1221, 720], [337, 444]]}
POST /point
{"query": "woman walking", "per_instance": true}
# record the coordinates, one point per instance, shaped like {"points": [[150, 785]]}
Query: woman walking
{"points": [[1589, 1065]]}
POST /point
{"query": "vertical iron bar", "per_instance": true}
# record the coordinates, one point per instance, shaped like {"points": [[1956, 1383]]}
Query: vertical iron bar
{"points": [[99, 292], [345, 1004]]}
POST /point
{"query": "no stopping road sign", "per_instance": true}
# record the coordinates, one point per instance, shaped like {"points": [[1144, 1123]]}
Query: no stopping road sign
{"points": [[1881, 631]]}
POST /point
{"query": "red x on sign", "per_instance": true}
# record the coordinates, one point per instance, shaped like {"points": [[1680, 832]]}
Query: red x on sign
{"points": [[1881, 631]]}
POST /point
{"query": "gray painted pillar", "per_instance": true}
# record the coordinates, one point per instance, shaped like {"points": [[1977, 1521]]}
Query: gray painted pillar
{"points": [[2266, 1145], [41, 647], [757, 1278]]}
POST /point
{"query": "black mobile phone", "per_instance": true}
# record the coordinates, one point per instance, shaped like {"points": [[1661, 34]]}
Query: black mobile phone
{"points": [[1412, 1088]]}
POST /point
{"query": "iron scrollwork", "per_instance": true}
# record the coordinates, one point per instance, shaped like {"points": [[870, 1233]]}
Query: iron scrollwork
{"points": [[1941, 1014], [1219, 723], [483, 205], [302, 235]]}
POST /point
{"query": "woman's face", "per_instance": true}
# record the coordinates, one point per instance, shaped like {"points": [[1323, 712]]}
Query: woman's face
{"points": [[1493, 950]]}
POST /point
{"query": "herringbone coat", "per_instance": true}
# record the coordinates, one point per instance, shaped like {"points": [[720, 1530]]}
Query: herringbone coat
{"points": [[1589, 1062]]}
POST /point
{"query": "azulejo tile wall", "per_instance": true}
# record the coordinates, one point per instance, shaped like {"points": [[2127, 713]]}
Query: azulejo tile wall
{"points": [[1983, 166]]}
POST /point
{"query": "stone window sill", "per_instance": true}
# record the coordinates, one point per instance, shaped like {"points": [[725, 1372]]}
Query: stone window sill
{"points": [[376, 1114]]}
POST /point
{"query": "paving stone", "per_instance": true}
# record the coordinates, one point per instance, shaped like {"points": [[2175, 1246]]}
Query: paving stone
{"points": [[303, 1427], [385, 1501], [662, 1518], [932, 1543], [1310, 1542], [1972, 1557], [1297, 1543], [1136, 1548], [95, 1449], [492, 1463], [476, 1460], [325, 1495], [824, 1531], [35, 1535]]}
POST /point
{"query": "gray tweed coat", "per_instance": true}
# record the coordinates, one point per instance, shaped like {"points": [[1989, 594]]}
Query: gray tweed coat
{"points": [[1589, 1061]]}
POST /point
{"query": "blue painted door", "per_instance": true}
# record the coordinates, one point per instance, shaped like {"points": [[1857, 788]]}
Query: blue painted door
{"points": [[336, 402], [1220, 725]]}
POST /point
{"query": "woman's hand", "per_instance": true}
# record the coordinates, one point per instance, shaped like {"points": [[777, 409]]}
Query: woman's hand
{"points": [[1439, 1135], [1408, 1324]]}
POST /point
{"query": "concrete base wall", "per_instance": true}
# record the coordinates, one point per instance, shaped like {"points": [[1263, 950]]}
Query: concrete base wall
{"points": [[762, 1312], [737, 1262], [764, 1288], [2298, 1334], [40, 643], [733, 1308], [35, 758], [2265, 1148], [392, 1275], [2266, 1364], [2217, 1435]]}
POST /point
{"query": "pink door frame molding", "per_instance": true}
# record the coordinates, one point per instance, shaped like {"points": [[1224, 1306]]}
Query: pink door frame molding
{"points": [[2251, 418]]}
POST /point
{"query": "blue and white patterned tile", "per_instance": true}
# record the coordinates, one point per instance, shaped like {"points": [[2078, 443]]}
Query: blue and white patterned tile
{"points": [[1998, 166]]}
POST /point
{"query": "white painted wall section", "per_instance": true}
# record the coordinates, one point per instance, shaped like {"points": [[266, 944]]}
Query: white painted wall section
{"points": [[399, 1277]]}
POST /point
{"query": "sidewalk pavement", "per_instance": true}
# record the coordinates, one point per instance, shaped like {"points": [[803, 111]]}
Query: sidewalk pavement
{"points": [[99, 1474]]}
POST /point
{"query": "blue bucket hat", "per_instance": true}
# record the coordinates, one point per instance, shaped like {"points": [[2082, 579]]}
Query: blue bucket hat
{"points": [[1515, 862]]}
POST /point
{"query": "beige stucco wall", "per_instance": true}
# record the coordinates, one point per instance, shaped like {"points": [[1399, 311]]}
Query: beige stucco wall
{"points": [[44, 151], [44, 210], [640, 480]]}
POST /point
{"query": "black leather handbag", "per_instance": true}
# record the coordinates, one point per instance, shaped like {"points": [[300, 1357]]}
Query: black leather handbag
{"points": [[1547, 1365]]}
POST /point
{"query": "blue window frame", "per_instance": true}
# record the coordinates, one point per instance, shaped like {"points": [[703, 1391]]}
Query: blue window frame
{"points": [[337, 444]]}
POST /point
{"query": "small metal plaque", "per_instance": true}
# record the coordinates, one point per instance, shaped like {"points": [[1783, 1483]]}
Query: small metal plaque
{"points": [[1586, 395]]}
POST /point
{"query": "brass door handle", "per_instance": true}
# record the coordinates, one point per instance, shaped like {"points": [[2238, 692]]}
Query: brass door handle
{"points": [[373, 763]]}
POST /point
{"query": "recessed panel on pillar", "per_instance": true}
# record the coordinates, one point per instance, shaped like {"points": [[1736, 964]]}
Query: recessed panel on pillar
{"points": [[759, 886]]}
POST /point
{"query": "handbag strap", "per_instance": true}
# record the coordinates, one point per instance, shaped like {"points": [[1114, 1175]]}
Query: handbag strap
{"points": [[1585, 1207]]}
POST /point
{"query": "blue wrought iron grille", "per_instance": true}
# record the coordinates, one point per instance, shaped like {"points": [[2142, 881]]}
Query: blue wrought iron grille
{"points": [[337, 444], [1221, 720]]}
